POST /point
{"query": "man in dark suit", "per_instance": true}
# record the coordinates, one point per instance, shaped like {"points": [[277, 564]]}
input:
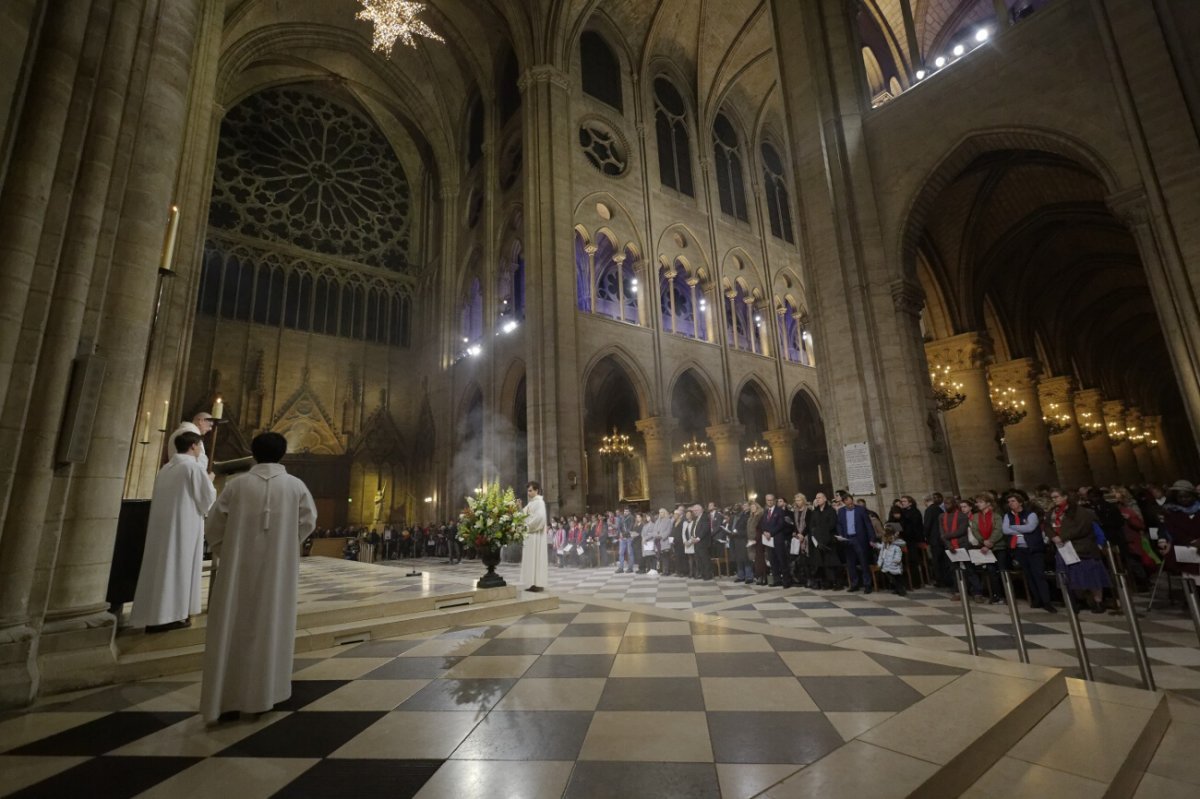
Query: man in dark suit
{"points": [[774, 523], [933, 536], [704, 539], [677, 522], [854, 525]]}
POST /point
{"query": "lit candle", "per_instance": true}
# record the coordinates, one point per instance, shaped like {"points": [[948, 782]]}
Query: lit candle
{"points": [[166, 420], [218, 410], [168, 251], [145, 439]]}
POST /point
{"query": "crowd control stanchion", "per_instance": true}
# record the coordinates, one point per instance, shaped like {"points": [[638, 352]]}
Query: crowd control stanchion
{"points": [[1189, 591], [1076, 629], [1135, 630], [968, 620], [1006, 579]]}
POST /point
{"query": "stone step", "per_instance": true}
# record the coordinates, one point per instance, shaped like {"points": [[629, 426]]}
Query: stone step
{"points": [[159, 662], [324, 614], [1096, 742]]}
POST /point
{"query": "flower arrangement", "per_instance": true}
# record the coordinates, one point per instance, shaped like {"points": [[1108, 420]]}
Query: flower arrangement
{"points": [[492, 518]]}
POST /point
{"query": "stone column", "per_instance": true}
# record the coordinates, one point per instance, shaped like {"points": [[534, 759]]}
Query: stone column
{"points": [[1070, 457], [77, 617], [1122, 447], [874, 386], [1090, 415], [727, 451], [783, 459], [971, 427], [1141, 453], [657, 432], [1158, 467], [1027, 441]]}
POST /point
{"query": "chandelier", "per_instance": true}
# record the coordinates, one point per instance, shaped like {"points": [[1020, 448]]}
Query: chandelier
{"points": [[759, 453], [616, 447], [947, 393], [1056, 421], [1089, 426], [1115, 433], [395, 19], [1008, 408], [1152, 443], [695, 452]]}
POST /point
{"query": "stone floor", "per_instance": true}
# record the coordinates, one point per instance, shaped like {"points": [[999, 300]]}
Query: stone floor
{"points": [[621, 691]]}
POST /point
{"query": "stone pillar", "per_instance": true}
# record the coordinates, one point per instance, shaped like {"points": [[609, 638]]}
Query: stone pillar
{"points": [[727, 451], [1158, 467], [971, 427], [870, 363], [1138, 438], [1027, 441], [783, 458], [555, 443], [1090, 415], [1070, 457], [1122, 447], [76, 616], [657, 432]]}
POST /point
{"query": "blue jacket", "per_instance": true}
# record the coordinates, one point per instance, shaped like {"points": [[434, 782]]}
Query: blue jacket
{"points": [[864, 531]]}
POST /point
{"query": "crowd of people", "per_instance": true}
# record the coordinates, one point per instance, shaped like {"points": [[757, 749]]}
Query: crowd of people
{"points": [[372, 545]]}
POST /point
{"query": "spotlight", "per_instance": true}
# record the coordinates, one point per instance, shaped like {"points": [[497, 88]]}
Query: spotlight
{"points": [[920, 74], [429, 499], [474, 350], [981, 35], [509, 327], [940, 61], [959, 50]]}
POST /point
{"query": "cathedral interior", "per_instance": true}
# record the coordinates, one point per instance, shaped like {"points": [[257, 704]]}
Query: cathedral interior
{"points": [[761, 246]]}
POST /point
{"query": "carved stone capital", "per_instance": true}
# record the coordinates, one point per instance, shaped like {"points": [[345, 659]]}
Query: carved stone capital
{"points": [[780, 438], [590, 249], [908, 297], [544, 73], [448, 191], [961, 353], [730, 293], [1114, 411], [1130, 206], [656, 428], [728, 433], [1020, 373], [693, 281], [1058, 390]]}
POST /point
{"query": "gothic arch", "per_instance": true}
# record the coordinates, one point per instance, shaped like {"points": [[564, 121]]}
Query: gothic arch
{"points": [[716, 410], [755, 383], [629, 365]]}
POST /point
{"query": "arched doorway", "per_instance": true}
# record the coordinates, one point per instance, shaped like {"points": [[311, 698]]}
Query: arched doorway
{"points": [[811, 451], [612, 407], [757, 467], [691, 405]]}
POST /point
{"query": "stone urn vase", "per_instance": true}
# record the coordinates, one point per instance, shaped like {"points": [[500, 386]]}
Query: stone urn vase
{"points": [[490, 557]]}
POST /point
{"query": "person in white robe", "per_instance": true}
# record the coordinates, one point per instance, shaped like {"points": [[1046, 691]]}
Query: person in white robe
{"points": [[256, 532], [535, 567], [201, 425], [168, 587]]}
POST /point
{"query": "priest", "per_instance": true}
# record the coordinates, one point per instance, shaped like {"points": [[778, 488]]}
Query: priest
{"points": [[535, 570], [168, 588], [256, 531], [201, 425]]}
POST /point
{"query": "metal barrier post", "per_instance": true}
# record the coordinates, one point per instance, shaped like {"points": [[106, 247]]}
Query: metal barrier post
{"points": [[1135, 630], [1189, 591], [968, 620], [1006, 580], [1076, 629]]}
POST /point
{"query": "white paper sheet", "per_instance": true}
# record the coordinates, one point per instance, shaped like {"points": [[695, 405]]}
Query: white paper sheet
{"points": [[1069, 555], [579, 549], [1153, 533], [1186, 555], [979, 557], [795, 546], [958, 555], [768, 540]]}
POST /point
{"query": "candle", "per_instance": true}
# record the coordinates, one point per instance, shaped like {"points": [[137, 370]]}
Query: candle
{"points": [[145, 439], [168, 251], [166, 420], [218, 410]]}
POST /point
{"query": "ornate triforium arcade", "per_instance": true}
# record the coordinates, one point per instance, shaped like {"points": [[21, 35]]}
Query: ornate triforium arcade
{"points": [[1122, 447], [1090, 415], [1056, 395], [782, 444], [1027, 441], [657, 432], [970, 427], [727, 447]]}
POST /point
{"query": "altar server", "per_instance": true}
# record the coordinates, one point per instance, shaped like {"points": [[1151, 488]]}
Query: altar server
{"points": [[535, 572]]}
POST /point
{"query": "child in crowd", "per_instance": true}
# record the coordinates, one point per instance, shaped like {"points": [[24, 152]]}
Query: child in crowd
{"points": [[891, 558]]}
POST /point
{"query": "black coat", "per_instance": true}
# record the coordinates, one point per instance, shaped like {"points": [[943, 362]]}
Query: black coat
{"points": [[822, 525]]}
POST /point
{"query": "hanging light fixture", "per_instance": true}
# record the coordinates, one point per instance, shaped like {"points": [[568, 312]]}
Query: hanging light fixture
{"points": [[759, 453], [1056, 421], [616, 447], [946, 392], [1089, 426], [395, 19], [1008, 408], [695, 452]]}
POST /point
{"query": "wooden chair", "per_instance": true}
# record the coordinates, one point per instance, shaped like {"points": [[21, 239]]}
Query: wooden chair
{"points": [[721, 564]]}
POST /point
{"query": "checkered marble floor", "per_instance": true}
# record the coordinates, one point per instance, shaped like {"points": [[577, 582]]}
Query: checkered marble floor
{"points": [[583, 701], [925, 619]]}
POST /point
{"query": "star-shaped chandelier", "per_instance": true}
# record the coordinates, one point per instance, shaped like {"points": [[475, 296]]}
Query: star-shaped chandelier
{"points": [[395, 19]]}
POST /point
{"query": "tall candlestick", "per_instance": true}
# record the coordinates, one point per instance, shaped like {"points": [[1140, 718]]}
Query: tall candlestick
{"points": [[218, 409], [168, 251], [166, 420], [145, 439]]}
